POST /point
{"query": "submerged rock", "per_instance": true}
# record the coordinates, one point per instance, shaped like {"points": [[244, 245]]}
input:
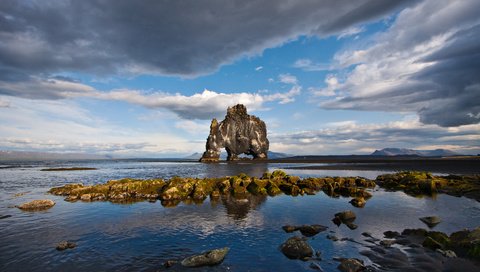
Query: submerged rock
{"points": [[36, 205], [211, 257], [345, 217], [65, 245], [430, 221], [351, 265], [296, 248], [239, 133], [358, 202], [306, 230], [5, 216]]}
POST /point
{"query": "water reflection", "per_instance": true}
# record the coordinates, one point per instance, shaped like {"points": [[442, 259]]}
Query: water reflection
{"points": [[239, 207]]}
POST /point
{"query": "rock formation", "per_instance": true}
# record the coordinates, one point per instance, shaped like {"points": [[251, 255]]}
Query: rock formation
{"points": [[238, 133]]}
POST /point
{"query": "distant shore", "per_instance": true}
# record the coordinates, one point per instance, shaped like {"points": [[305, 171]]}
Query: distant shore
{"points": [[466, 165]]}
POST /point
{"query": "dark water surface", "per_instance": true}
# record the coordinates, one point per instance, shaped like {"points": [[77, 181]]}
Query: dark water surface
{"points": [[141, 236]]}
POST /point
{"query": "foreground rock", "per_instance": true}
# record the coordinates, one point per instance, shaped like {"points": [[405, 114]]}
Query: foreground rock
{"points": [[345, 217], [297, 248], [172, 192], [423, 183], [208, 258], [37, 205], [351, 265], [239, 133], [306, 230], [65, 245]]}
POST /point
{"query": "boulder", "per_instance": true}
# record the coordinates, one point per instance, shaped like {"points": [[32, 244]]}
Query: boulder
{"points": [[358, 202], [65, 245], [239, 133], [351, 265], [211, 257], [311, 230], [36, 205], [296, 248]]}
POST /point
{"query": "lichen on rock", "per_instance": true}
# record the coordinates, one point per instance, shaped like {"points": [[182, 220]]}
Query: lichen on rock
{"points": [[239, 133]]}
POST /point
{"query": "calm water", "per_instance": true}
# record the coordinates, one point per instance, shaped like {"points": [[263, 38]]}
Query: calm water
{"points": [[141, 236]]}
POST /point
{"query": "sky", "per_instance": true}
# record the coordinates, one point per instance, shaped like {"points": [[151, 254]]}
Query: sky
{"points": [[144, 78]]}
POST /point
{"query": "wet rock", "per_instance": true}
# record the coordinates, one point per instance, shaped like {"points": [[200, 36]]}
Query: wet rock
{"points": [[306, 230], [351, 265], [387, 243], [466, 243], [315, 266], [211, 257], [289, 229], [5, 216], [346, 216], [423, 183], [169, 263], [311, 230], [367, 234], [350, 225], [447, 253], [391, 234], [65, 245], [430, 221], [332, 237], [358, 202], [36, 205], [238, 133], [296, 248]]}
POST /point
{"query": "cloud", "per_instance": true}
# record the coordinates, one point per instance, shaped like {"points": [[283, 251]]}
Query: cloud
{"points": [[169, 38], [349, 137], [427, 63], [64, 126], [259, 68], [192, 127], [285, 98], [288, 79], [203, 105], [351, 32], [309, 65], [332, 86], [4, 103]]}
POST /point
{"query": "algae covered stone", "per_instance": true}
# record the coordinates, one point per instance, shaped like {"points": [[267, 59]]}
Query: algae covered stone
{"points": [[211, 257], [37, 205], [296, 248]]}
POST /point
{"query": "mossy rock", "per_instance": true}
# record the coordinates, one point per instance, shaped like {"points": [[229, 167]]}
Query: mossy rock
{"points": [[65, 190], [257, 186], [272, 189]]}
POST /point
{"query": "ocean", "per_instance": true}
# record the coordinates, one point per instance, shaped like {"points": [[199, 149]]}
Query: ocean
{"points": [[141, 236]]}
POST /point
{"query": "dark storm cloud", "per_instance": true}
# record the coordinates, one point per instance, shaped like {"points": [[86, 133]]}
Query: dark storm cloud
{"points": [[432, 69], [185, 38]]}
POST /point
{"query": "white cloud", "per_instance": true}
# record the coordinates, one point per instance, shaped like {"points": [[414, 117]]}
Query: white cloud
{"points": [[351, 32], [288, 79], [426, 62], [4, 103], [64, 126], [309, 65], [284, 98], [332, 86], [193, 127], [349, 137], [259, 68]]}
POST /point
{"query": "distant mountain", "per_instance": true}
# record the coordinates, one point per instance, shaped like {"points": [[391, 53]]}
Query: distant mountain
{"points": [[38, 156], [412, 152], [223, 155]]}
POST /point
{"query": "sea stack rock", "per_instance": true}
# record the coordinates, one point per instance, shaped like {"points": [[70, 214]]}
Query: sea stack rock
{"points": [[238, 133]]}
